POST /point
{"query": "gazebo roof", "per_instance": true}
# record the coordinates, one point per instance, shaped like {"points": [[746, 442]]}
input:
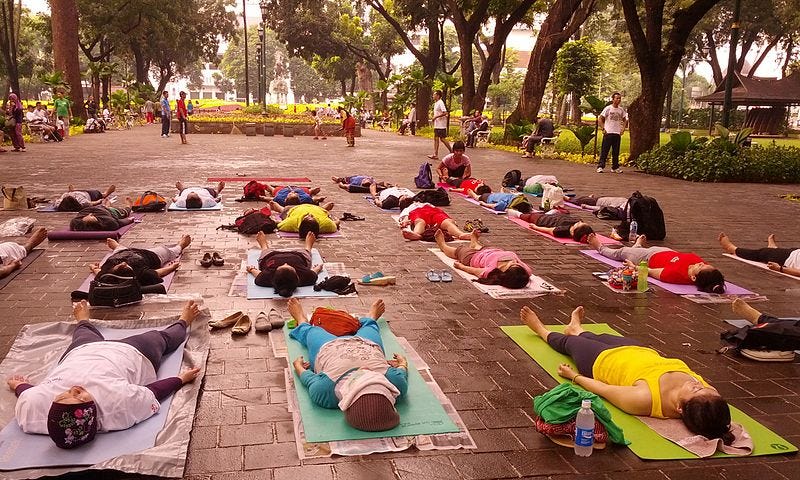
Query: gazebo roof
{"points": [[758, 91]]}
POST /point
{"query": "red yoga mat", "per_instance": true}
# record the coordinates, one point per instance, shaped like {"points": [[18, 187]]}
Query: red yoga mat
{"points": [[283, 180]]}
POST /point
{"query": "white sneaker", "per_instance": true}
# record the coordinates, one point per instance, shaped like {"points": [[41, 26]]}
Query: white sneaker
{"points": [[599, 169], [616, 170]]}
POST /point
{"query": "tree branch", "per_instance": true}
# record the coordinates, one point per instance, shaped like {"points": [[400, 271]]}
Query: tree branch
{"points": [[401, 31]]}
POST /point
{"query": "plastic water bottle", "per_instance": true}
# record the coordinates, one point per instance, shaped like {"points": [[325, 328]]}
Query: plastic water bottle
{"points": [[641, 282], [546, 205], [633, 231], [584, 430]]}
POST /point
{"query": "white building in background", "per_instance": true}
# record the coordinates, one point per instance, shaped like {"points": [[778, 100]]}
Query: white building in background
{"points": [[207, 91]]}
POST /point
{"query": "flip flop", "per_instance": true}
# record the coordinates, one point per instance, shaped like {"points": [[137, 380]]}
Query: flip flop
{"points": [[432, 276], [370, 277], [381, 280], [446, 276]]}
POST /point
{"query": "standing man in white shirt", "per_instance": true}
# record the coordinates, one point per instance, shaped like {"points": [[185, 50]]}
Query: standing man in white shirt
{"points": [[439, 125], [613, 121]]}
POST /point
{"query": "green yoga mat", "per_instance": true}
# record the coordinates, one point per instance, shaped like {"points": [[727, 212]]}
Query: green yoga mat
{"points": [[420, 410], [645, 442]]}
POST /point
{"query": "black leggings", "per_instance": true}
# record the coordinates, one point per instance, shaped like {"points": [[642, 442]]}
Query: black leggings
{"points": [[586, 347], [592, 201], [764, 255], [153, 344]]}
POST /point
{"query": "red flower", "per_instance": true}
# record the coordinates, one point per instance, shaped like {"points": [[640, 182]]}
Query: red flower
{"points": [[79, 413]]}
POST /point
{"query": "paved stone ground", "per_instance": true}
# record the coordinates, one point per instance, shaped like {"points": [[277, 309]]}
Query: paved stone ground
{"points": [[243, 431]]}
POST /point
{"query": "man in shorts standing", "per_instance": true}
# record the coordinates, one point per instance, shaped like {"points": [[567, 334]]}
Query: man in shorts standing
{"points": [[439, 124], [183, 117]]}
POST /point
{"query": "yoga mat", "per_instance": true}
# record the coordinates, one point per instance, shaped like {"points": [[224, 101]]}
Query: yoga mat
{"points": [[166, 281], [369, 200], [67, 234], [40, 451], [260, 179], [335, 234], [449, 188], [35, 253], [490, 210], [760, 265], [536, 288], [254, 292], [420, 410], [730, 288], [645, 443], [172, 207], [565, 241], [49, 208]]}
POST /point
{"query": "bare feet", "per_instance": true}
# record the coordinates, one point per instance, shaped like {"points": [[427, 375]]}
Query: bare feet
{"points": [[740, 307], [336, 179], [530, 319], [409, 235], [641, 241], [464, 236], [220, 187], [70, 188], [328, 206], [111, 243], [574, 327], [296, 310], [81, 310], [594, 242], [439, 237], [726, 243], [473, 239], [771, 241], [310, 239], [261, 239], [179, 186], [190, 312], [5, 270], [111, 189], [314, 191], [186, 240], [39, 235], [377, 309]]}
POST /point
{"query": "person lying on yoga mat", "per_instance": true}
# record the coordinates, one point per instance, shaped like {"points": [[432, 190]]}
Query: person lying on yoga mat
{"points": [[502, 202], [148, 265], [285, 270], [74, 200], [197, 197], [535, 184], [593, 203], [784, 260], [636, 379], [392, 197], [291, 195], [12, 254], [492, 266], [306, 218], [102, 218], [358, 183], [466, 185], [420, 216], [347, 369], [101, 385], [666, 264], [455, 164], [560, 225]]}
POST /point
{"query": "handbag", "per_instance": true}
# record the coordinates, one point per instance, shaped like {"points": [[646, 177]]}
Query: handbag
{"points": [[111, 290], [11, 122], [14, 198]]}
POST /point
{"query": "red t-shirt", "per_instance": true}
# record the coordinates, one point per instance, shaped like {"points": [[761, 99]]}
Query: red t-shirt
{"points": [[349, 123], [470, 184], [181, 109], [675, 265]]}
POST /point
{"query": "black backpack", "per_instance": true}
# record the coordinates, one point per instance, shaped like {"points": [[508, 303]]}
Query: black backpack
{"points": [[648, 215], [781, 335], [111, 290], [438, 197], [424, 178], [512, 178], [252, 221]]}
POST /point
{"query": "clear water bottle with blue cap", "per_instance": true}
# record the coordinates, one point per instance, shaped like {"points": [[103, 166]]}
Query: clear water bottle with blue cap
{"points": [[584, 430], [633, 231]]}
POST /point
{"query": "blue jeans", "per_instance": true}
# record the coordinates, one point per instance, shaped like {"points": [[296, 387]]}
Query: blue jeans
{"points": [[314, 338]]}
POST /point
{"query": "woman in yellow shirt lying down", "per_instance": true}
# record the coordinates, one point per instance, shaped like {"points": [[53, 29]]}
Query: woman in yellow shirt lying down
{"points": [[636, 379]]}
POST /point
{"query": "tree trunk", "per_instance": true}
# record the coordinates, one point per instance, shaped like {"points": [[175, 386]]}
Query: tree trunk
{"points": [[716, 68], [575, 108], [563, 19], [64, 22], [645, 112], [9, 39], [668, 108], [140, 63]]}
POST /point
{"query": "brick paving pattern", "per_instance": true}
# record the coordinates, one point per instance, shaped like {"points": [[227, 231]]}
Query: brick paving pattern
{"points": [[242, 429]]}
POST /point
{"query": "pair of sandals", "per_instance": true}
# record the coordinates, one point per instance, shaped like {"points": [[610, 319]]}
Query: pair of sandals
{"points": [[242, 324], [378, 278], [212, 259], [442, 276], [475, 224], [347, 216]]}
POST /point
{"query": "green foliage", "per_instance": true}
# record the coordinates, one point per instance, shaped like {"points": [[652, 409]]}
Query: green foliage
{"points": [[55, 81], [576, 67], [682, 141], [584, 134], [515, 131]]}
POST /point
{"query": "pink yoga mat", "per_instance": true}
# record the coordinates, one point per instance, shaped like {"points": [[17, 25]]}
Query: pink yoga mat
{"points": [[67, 234], [730, 288], [448, 188], [566, 241], [260, 179]]}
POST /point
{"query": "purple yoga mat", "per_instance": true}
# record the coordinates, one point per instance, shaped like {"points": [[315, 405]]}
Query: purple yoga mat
{"points": [[167, 281], [730, 288], [67, 234]]}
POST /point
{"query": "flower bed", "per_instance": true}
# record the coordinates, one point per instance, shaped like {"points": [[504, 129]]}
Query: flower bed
{"points": [[278, 128]]}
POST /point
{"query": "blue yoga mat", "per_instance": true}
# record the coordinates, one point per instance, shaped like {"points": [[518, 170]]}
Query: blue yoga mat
{"points": [[20, 450], [254, 292]]}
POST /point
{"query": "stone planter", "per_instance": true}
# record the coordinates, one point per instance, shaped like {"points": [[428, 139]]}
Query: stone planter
{"points": [[250, 129], [288, 130], [269, 129]]}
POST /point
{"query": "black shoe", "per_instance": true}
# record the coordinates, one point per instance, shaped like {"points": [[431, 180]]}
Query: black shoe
{"points": [[217, 260], [206, 261]]}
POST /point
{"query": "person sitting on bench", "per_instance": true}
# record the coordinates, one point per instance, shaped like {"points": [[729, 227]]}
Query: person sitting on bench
{"points": [[306, 218], [12, 254], [501, 202], [784, 260], [197, 197], [392, 197], [101, 385], [420, 216], [492, 266], [102, 218], [559, 225], [544, 129], [358, 183], [285, 270], [481, 125], [350, 371], [666, 264], [454, 165], [636, 379], [74, 200], [148, 265], [35, 121]]}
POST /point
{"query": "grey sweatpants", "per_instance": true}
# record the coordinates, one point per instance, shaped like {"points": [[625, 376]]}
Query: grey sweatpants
{"points": [[634, 254]]}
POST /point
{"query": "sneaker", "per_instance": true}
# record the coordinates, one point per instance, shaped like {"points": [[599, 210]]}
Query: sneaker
{"points": [[616, 170], [527, 155], [599, 169]]}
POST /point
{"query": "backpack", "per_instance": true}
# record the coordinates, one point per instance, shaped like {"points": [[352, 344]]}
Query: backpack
{"points": [[424, 178], [753, 341], [520, 200], [254, 189], [252, 221], [437, 198], [648, 215], [338, 284], [149, 201], [512, 178], [610, 213], [111, 290]]}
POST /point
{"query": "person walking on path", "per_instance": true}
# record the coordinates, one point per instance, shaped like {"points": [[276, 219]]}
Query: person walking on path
{"points": [[63, 107], [148, 111], [166, 113], [14, 114], [439, 125], [183, 117], [613, 121]]}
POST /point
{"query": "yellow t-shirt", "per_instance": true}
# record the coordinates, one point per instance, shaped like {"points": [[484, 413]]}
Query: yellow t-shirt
{"points": [[624, 366], [292, 221]]}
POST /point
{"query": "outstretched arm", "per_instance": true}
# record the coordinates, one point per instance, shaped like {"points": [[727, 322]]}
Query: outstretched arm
{"points": [[547, 230], [780, 268], [632, 400], [466, 268]]}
